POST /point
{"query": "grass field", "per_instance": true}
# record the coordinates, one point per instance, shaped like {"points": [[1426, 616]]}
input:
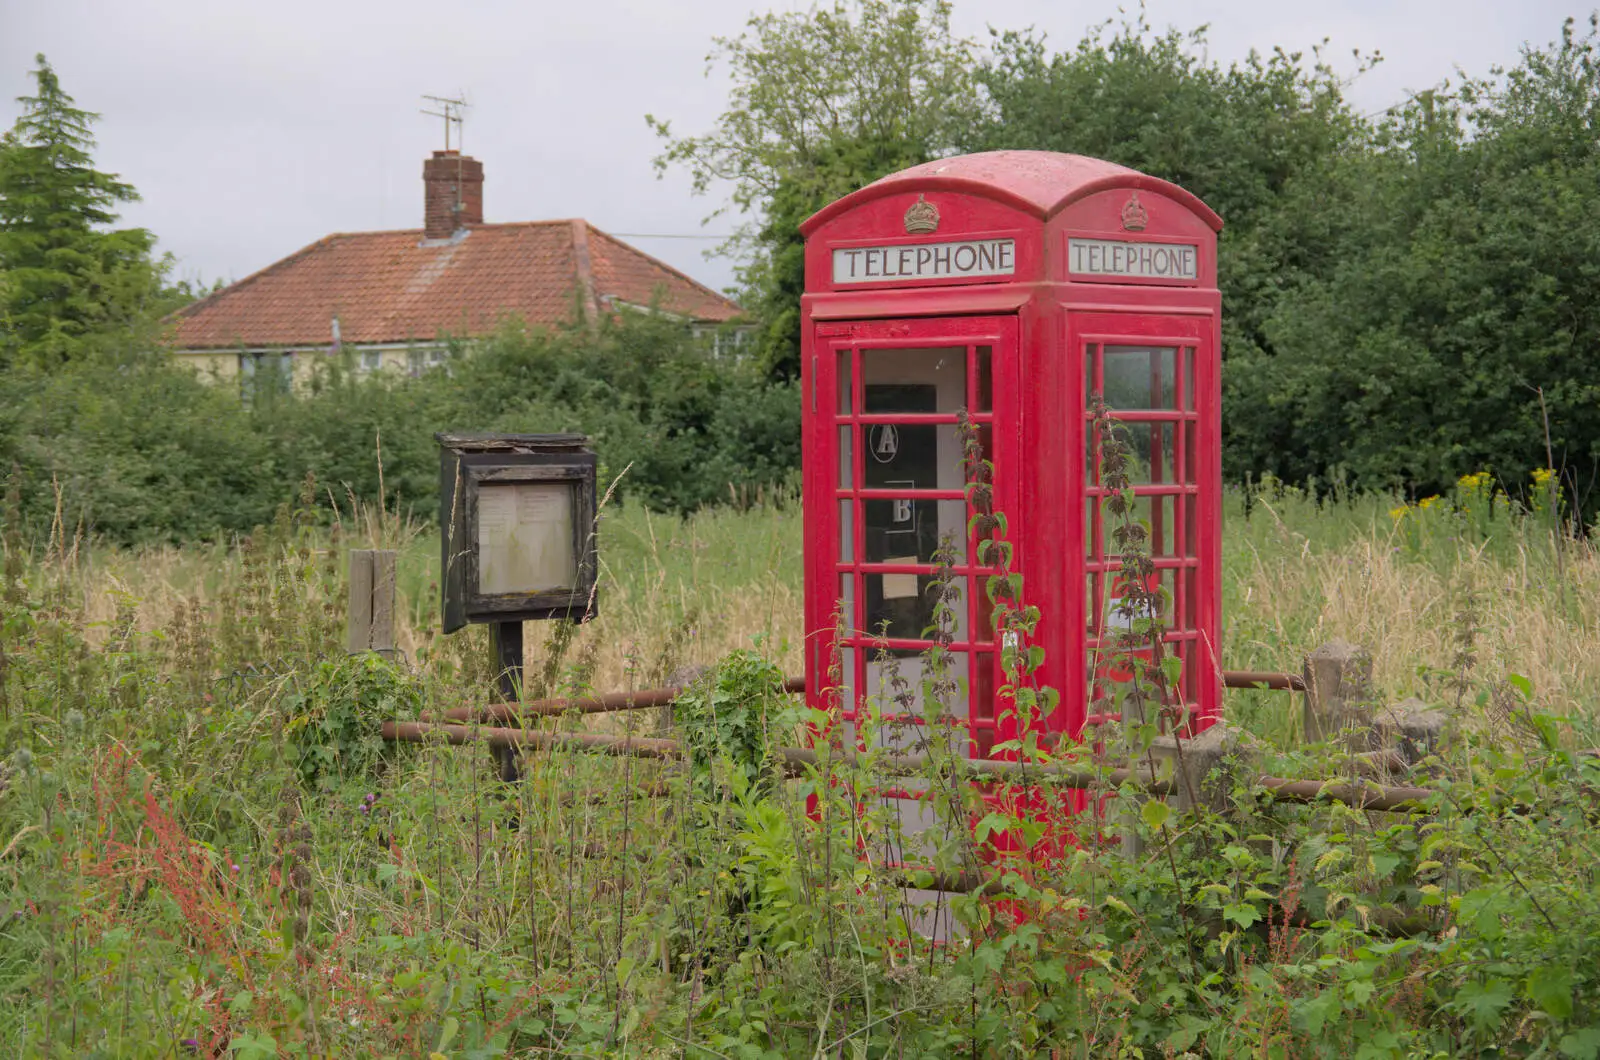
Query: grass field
{"points": [[204, 850], [1296, 574]]}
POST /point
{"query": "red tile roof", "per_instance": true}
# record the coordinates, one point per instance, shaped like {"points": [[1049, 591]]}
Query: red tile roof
{"points": [[396, 287]]}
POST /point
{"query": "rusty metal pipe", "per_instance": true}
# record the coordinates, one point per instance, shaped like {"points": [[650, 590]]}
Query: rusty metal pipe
{"points": [[647, 698], [608, 703], [425, 731], [1263, 679], [795, 759]]}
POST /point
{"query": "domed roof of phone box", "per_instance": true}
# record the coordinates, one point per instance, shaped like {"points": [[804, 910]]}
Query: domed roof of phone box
{"points": [[1041, 183]]}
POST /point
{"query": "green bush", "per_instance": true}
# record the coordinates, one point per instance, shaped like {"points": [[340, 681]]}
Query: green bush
{"points": [[133, 450], [333, 721]]}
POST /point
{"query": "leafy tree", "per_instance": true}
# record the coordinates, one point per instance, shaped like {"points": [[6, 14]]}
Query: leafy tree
{"points": [[65, 278], [1236, 136], [822, 102], [1459, 312], [1264, 142]]}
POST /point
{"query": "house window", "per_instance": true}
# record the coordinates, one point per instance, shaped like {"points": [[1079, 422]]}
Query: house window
{"points": [[726, 342], [265, 373], [426, 359], [735, 342], [371, 361]]}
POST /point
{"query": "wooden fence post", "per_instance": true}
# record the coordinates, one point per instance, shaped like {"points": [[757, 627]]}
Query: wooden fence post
{"points": [[372, 591]]}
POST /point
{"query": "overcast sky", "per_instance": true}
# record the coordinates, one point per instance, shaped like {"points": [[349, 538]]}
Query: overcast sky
{"points": [[254, 129]]}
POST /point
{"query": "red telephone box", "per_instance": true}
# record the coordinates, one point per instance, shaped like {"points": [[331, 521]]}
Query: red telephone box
{"points": [[1010, 286]]}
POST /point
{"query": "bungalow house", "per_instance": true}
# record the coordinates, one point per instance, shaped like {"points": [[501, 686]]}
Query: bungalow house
{"points": [[392, 299]]}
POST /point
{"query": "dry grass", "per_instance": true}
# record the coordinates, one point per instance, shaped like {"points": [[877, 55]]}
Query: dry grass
{"points": [[1298, 576], [673, 593], [677, 593]]}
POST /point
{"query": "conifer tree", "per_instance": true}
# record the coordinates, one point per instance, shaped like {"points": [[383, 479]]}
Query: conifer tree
{"points": [[64, 278]]}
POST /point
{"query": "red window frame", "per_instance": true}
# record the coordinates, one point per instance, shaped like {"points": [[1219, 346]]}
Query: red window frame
{"points": [[1182, 552], [840, 346]]}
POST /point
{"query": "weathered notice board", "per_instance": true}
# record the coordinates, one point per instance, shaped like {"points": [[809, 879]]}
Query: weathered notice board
{"points": [[516, 521]]}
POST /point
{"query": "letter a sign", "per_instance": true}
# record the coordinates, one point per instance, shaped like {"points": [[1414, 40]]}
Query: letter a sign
{"points": [[885, 443]]}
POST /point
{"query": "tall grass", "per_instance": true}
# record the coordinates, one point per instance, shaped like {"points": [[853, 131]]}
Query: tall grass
{"points": [[1298, 572], [203, 841]]}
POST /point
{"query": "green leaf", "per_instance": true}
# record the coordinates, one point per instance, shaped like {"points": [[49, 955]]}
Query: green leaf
{"points": [[1117, 903], [1241, 913], [1484, 1003], [447, 1033], [1154, 814], [1550, 987], [1581, 1044], [1315, 1012], [991, 823]]}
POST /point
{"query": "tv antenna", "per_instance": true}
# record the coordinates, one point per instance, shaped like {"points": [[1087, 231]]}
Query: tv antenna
{"points": [[451, 111]]}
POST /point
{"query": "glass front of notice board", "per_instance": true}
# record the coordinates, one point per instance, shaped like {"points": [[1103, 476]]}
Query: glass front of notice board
{"points": [[525, 538]]}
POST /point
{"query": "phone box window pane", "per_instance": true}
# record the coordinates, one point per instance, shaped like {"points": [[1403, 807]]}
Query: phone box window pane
{"points": [[525, 538], [909, 456], [1168, 581], [1091, 354], [847, 463], [980, 591], [910, 529], [912, 670], [1121, 613], [984, 400], [1152, 452], [847, 532], [842, 378], [1190, 391], [1158, 516], [953, 528], [930, 379], [1140, 377], [847, 678], [901, 607], [983, 666]]}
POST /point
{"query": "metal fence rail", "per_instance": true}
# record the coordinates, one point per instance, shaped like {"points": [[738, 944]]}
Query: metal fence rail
{"points": [[647, 698], [796, 759]]}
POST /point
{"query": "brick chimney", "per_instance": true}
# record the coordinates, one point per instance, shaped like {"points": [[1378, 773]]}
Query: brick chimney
{"points": [[454, 193]]}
